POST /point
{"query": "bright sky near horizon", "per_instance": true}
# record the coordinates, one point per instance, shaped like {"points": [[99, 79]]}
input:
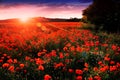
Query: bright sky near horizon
{"points": [[45, 8]]}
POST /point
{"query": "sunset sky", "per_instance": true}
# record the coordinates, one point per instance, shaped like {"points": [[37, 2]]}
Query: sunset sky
{"points": [[42, 8]]}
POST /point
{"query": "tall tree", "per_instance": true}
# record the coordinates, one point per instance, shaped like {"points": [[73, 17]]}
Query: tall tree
{"points": [[105, 13]]}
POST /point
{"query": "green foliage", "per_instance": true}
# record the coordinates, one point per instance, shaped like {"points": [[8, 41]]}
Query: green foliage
{"points": [[113, 37], [92, 60], [87, 26]]}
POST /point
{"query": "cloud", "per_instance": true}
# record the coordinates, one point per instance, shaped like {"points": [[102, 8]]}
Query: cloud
{"points": [[44, 10], [46, 1], [85, 1]]}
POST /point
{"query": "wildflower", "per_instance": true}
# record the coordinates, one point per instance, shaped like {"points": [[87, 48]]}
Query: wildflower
{"points": [[114, 47], [61, 55], [87, 43], [21, 65], [11, 68], [39, 61], [67, 54], [67, 60], [100, 62], [106, 58], [91, 43], [118, 64], [106, 67], [78, 71], [15, 61], [2, 58], [70, 70], [85, 69], [90, 78], [1, 61], [40, 67], [4, 54], [39, 54], [105, 45], [25, 71], [59, 65], [78, 49], [5, 65], [112, 62], [95, 69], [102, 69], [47, 77], [97, 43], [27, 58], [53, 53], [79, 78], [44, 50], [68, 45], [17, 69], [10, 61], [97, 78], [86, 64], [65, 48], [107, 55], [72, 48], [113, 68], [96, 48], [31, 60]]}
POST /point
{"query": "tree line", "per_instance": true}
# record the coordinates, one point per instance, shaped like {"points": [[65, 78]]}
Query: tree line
{"points": [[104, 14]]}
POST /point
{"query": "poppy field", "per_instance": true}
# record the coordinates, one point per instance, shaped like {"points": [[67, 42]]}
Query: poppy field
{"points": [[57, 51]]}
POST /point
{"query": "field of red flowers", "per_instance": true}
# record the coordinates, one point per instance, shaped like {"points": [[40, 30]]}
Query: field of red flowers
{"points": [[53, 52]]}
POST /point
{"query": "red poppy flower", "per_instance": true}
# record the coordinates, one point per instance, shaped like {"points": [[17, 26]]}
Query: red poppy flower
{"points": [[78, 71], [97, 78], [11, 68], [5, 65], [40, 67], [79, 78], [71, 70], [21, 65], [90, 78], [47, 77]]}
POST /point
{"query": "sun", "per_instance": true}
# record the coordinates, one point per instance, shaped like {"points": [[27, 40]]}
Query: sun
{"points": [[24, 19]]}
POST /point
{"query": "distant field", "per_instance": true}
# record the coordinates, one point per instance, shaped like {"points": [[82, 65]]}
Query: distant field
{"points": [[51, 26], [60, 24]]}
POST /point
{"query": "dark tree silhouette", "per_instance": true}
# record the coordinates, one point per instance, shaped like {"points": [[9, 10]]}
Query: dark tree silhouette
{"points": [[104, 13]]}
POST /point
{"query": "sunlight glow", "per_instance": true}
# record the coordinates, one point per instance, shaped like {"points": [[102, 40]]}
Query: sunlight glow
{"points": [[24, 19], [43, 28]]}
